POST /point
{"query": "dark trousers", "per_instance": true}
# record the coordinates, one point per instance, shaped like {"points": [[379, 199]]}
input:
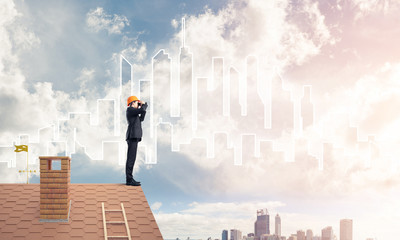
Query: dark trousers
{"points": [[131, 158]]}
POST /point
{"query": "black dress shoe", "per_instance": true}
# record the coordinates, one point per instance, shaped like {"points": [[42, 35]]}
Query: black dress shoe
{"points": [[132, 180], [133, 183]]}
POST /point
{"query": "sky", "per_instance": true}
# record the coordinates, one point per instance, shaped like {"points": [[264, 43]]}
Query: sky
{"points": [[295, 111]]}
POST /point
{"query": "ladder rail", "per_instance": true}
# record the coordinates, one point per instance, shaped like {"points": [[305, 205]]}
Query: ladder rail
{"points": [[126, 222], [104, 221]]}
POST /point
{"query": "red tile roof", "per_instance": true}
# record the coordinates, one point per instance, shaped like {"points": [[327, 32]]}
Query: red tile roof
{"points": [[20, 213]]}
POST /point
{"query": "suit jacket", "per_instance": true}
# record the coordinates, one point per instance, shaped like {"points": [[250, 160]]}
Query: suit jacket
{"points": [[135, 117]]}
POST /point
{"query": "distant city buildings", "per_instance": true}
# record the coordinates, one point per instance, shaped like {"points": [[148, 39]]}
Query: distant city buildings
{"points": [[278, 225], [249, 237], [236, 234], [293, 237], [261, 229], [327, 233], [224, 235], [261, 226], [346, 229], [269, 237], [301, 235], [309, 234]]}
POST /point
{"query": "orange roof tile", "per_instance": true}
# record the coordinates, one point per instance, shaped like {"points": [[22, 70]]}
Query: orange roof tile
{"points": [[20, 213]]}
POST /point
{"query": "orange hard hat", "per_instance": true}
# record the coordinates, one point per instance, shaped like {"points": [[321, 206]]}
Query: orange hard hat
{"points": [[132, 98]]}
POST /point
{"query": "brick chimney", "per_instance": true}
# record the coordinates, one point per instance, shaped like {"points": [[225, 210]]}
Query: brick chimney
{"points": [[54, 189]]}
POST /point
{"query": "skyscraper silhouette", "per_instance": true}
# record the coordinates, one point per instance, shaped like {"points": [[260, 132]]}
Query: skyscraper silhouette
{"points": [[301, 235], [327, 233], [236, 234], [309, 235], [278, 225], [346, 229], [225, 235], [185, 78], [162, 84], [261, 226]]}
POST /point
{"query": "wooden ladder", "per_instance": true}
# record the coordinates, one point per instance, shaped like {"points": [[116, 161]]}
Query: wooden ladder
{"points": [[115, 222]]}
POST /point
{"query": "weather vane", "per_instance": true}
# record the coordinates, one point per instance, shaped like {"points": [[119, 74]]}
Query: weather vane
{"points": [[24, 148]]}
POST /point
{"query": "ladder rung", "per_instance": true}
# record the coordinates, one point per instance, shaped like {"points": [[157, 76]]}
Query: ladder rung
{"points": [[116, 222], [117, 236], [113, 210]]}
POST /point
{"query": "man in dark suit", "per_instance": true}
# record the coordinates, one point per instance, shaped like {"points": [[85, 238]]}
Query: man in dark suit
{"points": [[135, 114]]}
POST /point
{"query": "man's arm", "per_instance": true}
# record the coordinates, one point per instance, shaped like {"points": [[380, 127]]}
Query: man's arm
{"points": [[131, 111], [142, 115]]}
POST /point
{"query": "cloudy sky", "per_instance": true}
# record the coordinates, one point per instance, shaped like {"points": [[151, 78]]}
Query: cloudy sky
{"points": [[62, 57]]}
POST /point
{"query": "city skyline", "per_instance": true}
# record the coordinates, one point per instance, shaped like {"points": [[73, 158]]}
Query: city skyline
{"points": [[262, 224]]}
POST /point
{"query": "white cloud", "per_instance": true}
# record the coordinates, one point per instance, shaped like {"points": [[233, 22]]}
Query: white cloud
{"points": [[25, 39], [98, 20], [260, 28], [174, 23], [368, 7], [8, 12], [136, 53], [85, 81], [156, 206]]}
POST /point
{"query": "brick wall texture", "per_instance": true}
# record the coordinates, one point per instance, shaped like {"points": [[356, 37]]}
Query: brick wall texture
{"points": [[54, 188]]}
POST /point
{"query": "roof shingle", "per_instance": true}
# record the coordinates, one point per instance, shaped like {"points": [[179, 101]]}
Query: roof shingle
{"points": [[20, 213]]}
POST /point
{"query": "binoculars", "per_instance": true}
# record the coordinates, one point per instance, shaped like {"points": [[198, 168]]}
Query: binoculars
{"points": [[141, 103]]}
